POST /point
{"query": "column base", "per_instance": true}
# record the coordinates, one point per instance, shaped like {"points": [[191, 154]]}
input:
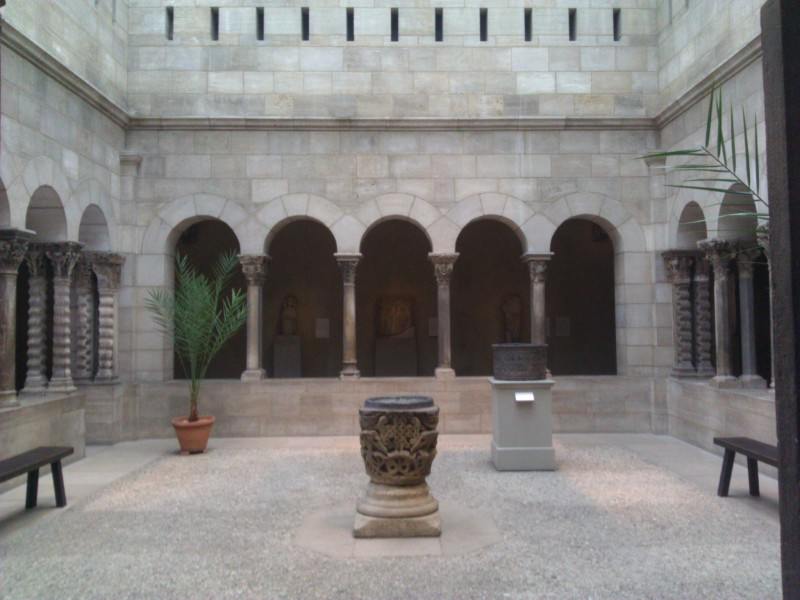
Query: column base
{"points": [[254, 375], [350, 373], [61, 385], [753, 382], [8, 398], [725, 381], [445, 373], [685, 371], [34, 387]]}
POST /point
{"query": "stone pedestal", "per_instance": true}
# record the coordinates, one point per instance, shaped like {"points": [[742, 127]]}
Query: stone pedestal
{"points": [[287, 356], [522, 425], [398, 445], [13, 245]]}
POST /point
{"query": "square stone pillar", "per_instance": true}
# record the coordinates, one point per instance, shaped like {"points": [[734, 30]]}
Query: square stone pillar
{"points": [[720, 253], [443, 270], [35, 374], [746, 255], [107, 267], [62, 257], [83, 321], [13, 246], [254, 268], [679, 264], [348, 264]]}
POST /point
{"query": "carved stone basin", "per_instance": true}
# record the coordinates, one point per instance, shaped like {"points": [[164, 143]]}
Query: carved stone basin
{"points": [[398, 445]]}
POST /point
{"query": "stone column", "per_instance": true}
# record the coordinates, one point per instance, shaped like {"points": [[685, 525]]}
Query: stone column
{"points": [[108, 268], [443, 270], [703, 338], [348, 263], [13, 246], [537, 269], [254, 268], [679, 272], [762, 234], [745, 260], [62, 257], [83, 321], [720, 254], [35, 374]]}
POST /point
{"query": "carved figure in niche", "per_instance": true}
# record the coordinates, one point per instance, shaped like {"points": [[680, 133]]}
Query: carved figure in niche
{"points": [[395, 317], [289, 316], [512, 319]]}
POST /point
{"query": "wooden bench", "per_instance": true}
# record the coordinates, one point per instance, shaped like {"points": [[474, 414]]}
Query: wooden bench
{"points": [[754, 451], [30, 462]]}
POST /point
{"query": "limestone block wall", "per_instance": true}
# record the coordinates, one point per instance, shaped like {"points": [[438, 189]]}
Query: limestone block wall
{"points": [[256, 181], [374, 77], [697, 36], [89, 37]]}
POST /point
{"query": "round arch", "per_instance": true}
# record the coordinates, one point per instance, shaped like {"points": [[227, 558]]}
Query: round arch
{"points": [[691, 227], [92, 197], [42, 172], [506, 209], [404, 207], [46, 216], [737, 218], [93, 232], [294, 207]]}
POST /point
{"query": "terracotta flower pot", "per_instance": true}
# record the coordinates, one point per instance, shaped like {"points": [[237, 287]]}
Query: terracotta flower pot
{"points": [[193, 436]]}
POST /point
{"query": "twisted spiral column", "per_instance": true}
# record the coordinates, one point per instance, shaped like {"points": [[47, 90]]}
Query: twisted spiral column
{"points": [[703, 337], [62, 257], [679, 272], [83, 354], [107, 267], [35, 376], [13, 245]]}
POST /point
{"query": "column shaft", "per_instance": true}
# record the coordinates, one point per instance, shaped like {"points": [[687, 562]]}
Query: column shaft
{"points": [[719, 254], [62, 257], [107, 267], [745, 259], [83, 355], [254, 268], [13, 245], [443, 270], [703, 337], [35, 375], [679, 272], [348, 264], [537, 270]]}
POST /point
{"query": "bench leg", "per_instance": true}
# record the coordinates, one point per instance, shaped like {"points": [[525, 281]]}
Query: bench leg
{"points": [[33, 489], [727, 471], [58, 484], [752, 475]]}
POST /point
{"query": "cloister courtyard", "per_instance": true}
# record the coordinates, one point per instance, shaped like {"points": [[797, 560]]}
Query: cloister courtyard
{"points": [[624, 516]]}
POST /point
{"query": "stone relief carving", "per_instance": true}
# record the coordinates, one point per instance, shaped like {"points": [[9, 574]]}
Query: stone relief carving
{"points": [[395, 317]]}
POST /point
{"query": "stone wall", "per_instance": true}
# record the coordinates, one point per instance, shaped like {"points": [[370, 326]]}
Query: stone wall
{"points": [[373, 77], [89, 37]]}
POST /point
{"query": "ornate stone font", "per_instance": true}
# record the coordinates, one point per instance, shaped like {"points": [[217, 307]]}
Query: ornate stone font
{"points": [[519, 362], [398, 445]]}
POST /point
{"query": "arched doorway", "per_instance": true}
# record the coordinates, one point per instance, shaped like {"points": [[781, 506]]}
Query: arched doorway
{"points": [[490, 295], [202, 242], [396, 302], [302, 303], [580, 300]]}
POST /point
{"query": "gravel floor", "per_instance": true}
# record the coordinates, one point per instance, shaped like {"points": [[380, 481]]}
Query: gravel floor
{"points": [[606, 525]]}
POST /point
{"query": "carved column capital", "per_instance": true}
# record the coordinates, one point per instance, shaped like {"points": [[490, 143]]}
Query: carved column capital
{"points": [[63, 256], [108, 268], [679, 264], [719, 254], [537, 266], [13, 246], [348, 264], [82, 272], [254, 267], [747, 256], [443, 267]]}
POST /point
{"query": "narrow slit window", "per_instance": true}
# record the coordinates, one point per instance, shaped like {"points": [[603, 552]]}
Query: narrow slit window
{"points": [[170, 22], [573, 24], [306, 24], [528, 24], [395, 25], [214, 23], [260, 24], [617, 25], [351, 18], [484, 24], [439, 15]]}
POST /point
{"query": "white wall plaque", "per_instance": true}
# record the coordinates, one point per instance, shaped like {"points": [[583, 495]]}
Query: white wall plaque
{"points": [[524, 397]]}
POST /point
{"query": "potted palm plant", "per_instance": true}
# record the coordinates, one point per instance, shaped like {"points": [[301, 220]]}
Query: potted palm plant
{"points": [[201, 318]]}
